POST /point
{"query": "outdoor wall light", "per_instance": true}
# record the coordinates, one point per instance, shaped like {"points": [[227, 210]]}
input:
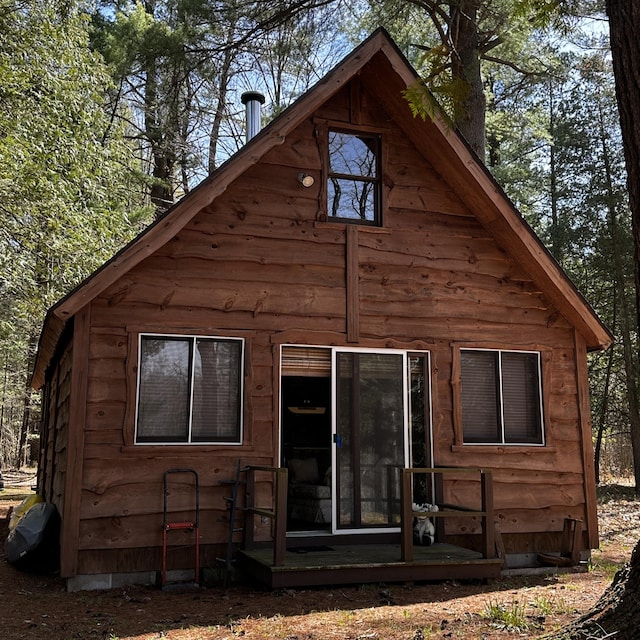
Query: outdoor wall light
{"points": [[305, 179]]}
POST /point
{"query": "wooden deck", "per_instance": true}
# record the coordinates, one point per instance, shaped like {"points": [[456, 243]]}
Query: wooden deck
{"points": [[365, 563], [327, 559]]}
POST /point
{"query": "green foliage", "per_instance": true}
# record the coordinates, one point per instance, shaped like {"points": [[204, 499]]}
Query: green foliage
{"points": [[537, 12], [555, 146], [546, 606], [70, 183], [423, 104], [507, 618], [65, 180], [606, 566], [133, 36], [68, 192]]}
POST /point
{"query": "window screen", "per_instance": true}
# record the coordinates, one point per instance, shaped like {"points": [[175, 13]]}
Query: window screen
{"points": [[189, 390], [521, 397], [501, 397], [480, 406]]}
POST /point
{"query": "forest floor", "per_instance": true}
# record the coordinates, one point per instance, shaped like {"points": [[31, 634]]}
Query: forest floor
{"points": [[36, 606]]}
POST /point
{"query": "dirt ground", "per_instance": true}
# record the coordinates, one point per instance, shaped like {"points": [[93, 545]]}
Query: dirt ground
{"points": [[37, 607]]}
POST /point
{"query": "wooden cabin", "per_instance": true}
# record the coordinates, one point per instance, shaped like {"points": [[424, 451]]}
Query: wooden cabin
{"points": [[352, 313]]}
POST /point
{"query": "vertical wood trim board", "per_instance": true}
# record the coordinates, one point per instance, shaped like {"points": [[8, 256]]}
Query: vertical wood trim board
{"points": [[75, 447], [277, 426], [456, 378], [353, 292], [588, 467], [321, 133]]}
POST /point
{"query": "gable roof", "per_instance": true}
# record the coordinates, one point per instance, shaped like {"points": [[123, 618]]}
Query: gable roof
{"points": [[379, 61]]}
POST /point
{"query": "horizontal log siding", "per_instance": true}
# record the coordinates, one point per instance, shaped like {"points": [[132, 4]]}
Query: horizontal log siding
{"points": [[256, 264]]}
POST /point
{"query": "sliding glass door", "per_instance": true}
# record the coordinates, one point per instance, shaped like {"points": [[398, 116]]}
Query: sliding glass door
{"points": [[370, 438]]}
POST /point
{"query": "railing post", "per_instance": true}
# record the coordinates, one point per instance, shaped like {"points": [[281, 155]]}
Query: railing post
{"points": [[438, 482], [406, 518], [280, 527], [488, 529], [249, 504]]}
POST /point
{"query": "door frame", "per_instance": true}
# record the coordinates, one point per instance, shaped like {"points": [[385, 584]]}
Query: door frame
{"points": [[408, 455]]}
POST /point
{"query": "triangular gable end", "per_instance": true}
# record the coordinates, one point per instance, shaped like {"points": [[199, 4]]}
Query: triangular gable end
{"points": [[376, 58]]}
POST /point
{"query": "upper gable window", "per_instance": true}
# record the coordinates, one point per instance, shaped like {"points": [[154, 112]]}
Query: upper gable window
{"points": [[189, 390], [354, 177]]}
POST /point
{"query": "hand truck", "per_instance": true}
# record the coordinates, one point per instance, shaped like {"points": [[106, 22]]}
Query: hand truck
{"points": [[186, 525]]}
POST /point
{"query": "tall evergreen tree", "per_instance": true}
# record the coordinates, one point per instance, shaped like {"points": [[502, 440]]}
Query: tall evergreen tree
{"points": [[65, 176], [616, 614], [460, 37], [175, 62], [624, 27]]}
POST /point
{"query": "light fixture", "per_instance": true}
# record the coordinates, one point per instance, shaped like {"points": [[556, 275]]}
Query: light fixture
{"points": [[305, 179]]}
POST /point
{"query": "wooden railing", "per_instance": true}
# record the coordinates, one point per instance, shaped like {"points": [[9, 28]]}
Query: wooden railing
{"points": [[447, 510], [277, 513]]}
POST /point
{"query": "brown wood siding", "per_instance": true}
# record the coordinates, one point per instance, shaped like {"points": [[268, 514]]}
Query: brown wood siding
{"points": [[75, 444], [257, 264], [56, 430]]}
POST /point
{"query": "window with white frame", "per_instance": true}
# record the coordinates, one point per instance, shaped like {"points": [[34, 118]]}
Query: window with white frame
{"points": [[189, 390], [501, 393]]}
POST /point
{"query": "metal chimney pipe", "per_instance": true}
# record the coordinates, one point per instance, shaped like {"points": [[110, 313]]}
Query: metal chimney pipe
{"points": [[252, 101]]}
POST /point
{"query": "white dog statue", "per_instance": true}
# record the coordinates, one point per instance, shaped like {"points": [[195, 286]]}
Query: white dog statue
{"points": [[423, 530]]}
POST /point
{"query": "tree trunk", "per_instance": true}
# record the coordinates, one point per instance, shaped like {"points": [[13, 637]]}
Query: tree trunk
{"points": [[558, 237], [624, 29], [3, 401], [616, 614], [465, 65], [225, 76], [622, 302], [21, 454], [158, 134], [602, 417]]}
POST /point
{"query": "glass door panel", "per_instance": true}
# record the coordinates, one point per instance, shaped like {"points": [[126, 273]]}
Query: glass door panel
{"points": [[370, 440]]}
